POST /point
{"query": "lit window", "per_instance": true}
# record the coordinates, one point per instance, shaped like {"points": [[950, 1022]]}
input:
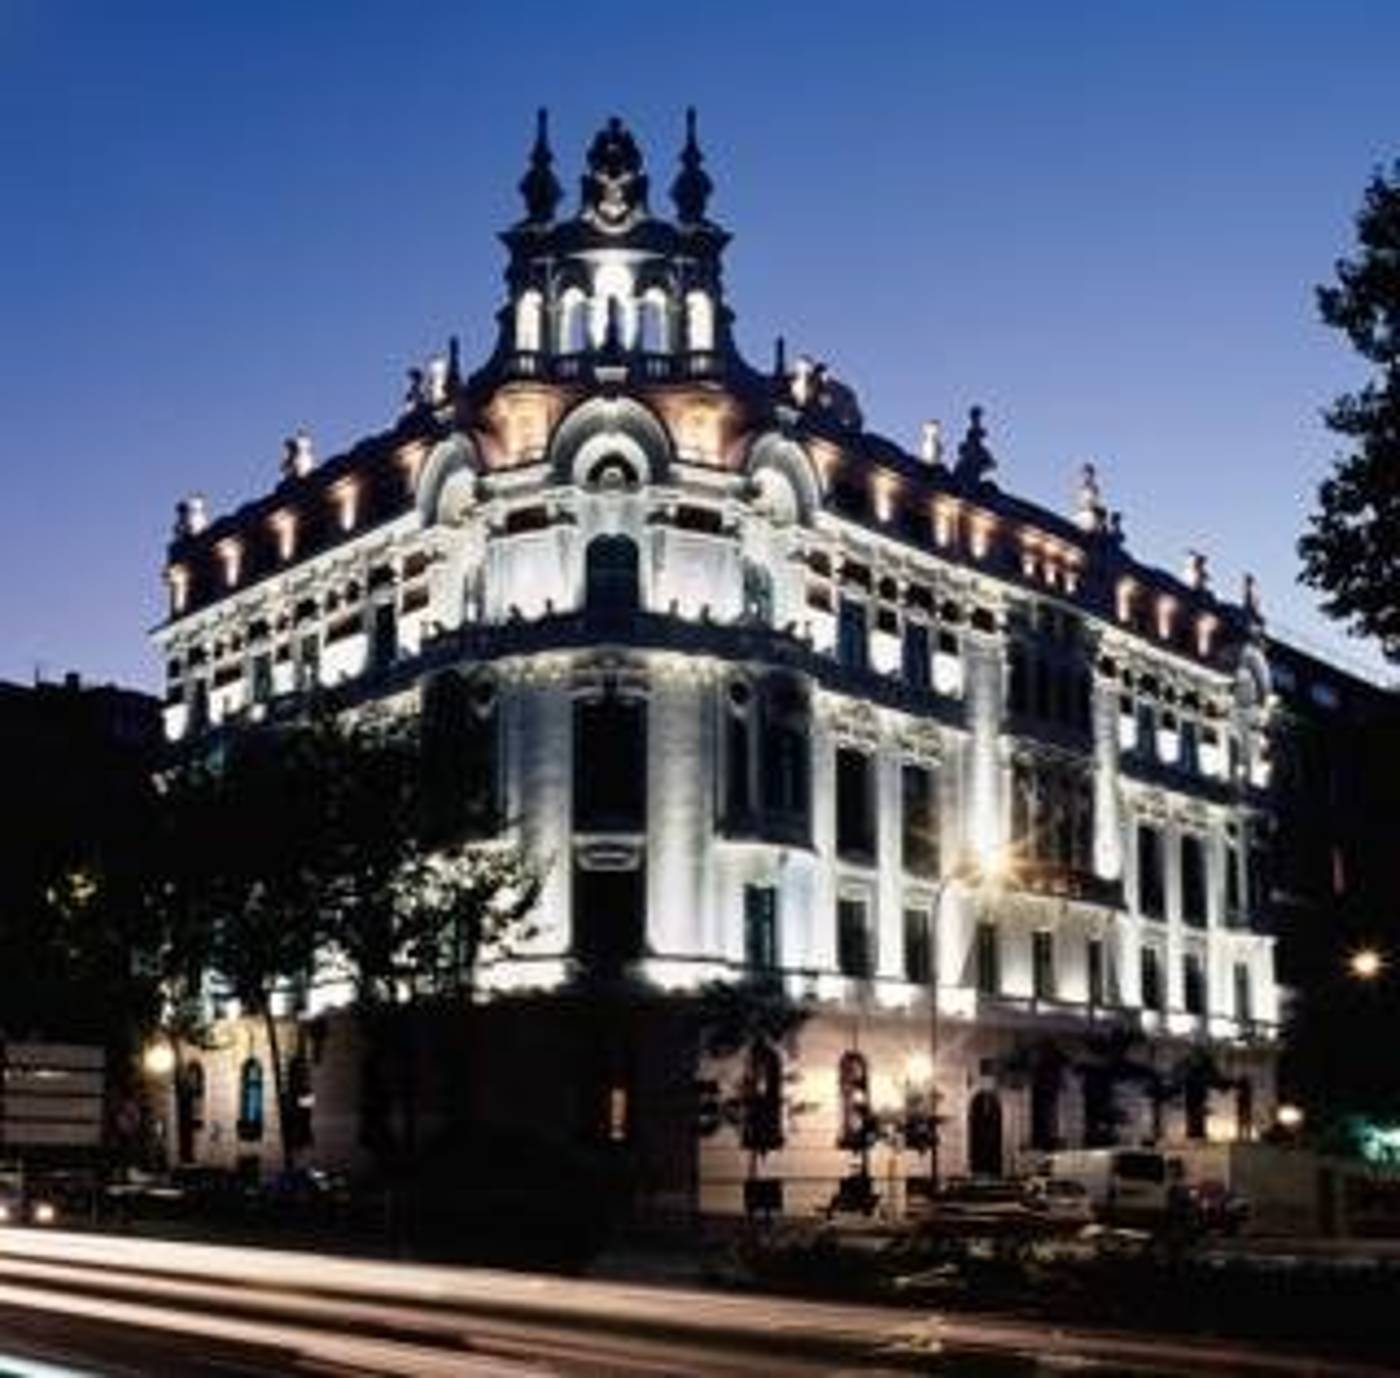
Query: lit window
{"points": [[700, 321]]}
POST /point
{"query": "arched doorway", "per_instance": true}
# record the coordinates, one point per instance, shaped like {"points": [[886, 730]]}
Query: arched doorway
{"points": [[984, 1135]]}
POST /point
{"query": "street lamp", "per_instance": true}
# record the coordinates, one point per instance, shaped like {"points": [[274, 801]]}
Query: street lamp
{"points": [[1366, 963], [159, 1059], [1289, 1117]]}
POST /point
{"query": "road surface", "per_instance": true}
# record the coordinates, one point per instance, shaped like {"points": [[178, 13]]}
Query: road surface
{"points": [[90, 1304]]}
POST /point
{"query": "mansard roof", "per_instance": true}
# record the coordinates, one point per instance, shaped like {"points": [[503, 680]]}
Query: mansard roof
{"points": [[865, 477]]}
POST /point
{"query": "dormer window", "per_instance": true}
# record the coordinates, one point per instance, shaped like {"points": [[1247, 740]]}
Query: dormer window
{"points": [[284, 529], [179, 580], [346, 498], [1125, 595], [1166, 616], [230, 556]]}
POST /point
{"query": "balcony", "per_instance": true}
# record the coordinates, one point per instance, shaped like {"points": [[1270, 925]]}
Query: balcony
{"points": [[1068, 882]]}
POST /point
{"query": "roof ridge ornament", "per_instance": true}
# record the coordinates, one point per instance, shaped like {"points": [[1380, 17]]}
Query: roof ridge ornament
{"points": [[692, 188], [539, 186], [975, 460], [614, 189]]}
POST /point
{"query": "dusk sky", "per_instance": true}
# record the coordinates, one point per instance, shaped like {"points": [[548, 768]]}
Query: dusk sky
{"points": [[1103, 222]]}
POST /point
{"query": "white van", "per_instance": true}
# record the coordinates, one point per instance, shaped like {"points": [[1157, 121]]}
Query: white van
{"points": [[1124, 1184]]}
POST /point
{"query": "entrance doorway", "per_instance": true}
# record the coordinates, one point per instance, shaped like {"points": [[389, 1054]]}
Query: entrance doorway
{"points": [[984, 1135]]}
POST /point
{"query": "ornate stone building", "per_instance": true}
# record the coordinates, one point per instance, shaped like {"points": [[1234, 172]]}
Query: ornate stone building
{"points": [[769, 690]]}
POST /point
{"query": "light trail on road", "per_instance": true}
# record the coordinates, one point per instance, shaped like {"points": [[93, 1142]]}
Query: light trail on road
{"points": [[332, 1314]]}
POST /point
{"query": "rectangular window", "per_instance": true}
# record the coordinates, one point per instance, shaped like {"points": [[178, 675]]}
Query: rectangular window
{"points": [[609, 917], [262, 677], [1151, 895], [1193, 984], [1193, 879], [988, 959], [853, 939], [1151, 979], [1190, 749], [916, 656], [610, 764], [761, 927], [1043, 968], [1147, 731], [1244, 1002], [1097, 984], [738, 794], [384, 645], [918, 946], [1232, 884], [309, 665], [855, 805], [920, 831], [852, 635]]}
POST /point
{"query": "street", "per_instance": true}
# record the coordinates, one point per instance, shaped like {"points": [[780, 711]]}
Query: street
{"points": [[94, 1304]]}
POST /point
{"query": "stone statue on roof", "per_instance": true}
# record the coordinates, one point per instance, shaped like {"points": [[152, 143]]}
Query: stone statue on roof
{"points": [[975, 460]]}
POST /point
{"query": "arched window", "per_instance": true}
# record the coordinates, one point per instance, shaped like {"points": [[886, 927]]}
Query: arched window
{"points": [[612, 471], [654, 336], [699, 321], [612, 582], [573, 321], [612, 301], [250, 1100], [529, 322], [763, 1110], [853, 1077]]}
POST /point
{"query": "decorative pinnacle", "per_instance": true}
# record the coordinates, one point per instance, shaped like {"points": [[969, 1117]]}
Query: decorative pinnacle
{"points": [[692, 187], [540, 187]]}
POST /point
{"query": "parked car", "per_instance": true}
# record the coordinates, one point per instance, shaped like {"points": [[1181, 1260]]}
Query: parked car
{"points": [[1215, 1208], [1059, 1199], [991, 1199]]}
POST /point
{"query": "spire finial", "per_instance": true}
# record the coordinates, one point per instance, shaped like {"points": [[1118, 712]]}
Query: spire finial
{"points": [[539, 186], [692, 187]]}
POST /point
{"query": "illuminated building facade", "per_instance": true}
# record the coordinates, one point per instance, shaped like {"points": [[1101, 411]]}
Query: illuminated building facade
{"points": [[771, 692]]}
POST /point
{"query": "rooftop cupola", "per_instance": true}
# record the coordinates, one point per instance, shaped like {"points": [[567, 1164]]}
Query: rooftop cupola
{"points": [[614, 279]]}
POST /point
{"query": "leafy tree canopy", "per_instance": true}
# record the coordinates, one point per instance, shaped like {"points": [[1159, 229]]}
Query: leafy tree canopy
{"points": [[1351, 553]]}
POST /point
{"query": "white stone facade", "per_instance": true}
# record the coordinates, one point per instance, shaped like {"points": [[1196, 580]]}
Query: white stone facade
{"points": [[794, 629]]}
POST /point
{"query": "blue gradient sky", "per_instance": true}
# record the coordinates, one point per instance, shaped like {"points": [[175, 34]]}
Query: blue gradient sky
{"points": [[1102, 221]]}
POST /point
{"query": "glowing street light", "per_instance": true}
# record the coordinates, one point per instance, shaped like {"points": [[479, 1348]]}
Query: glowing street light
{"points": [[1290, 1117], [1366, 963], [159, 1059]]}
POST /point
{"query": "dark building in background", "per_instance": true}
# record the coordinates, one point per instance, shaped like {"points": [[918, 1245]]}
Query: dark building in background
{"points": [[1334, 878], [74, 795]]}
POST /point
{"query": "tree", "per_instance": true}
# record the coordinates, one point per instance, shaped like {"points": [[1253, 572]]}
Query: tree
{"points": [[1352, 551], [748, 1025], [238, 895], [407, 913]]}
